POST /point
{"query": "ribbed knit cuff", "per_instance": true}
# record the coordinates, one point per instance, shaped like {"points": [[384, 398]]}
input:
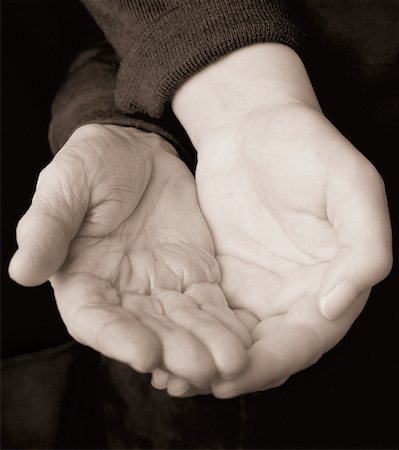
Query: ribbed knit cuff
{"points": [[187, 39], [87, 96], [60, 130]]}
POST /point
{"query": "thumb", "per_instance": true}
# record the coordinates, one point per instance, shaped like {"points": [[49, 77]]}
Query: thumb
{"points": [[358, 211], [53, 219], [352, 272]]}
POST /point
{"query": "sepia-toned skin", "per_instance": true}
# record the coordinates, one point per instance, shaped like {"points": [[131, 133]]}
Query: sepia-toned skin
{"points": [[287, 225], [306, 214], [296, 233], [298, 216], [116, 226]]}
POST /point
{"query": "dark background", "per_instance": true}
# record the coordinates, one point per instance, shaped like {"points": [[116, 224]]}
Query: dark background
{"points": [[39, 41], [348, 399]]}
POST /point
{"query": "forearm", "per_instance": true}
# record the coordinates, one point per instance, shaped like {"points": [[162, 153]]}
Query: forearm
{"points": [[254, 77], [163, 44]]}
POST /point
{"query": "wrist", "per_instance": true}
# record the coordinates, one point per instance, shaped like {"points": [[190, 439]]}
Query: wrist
{"points": [[253, 77], [129, 136]]}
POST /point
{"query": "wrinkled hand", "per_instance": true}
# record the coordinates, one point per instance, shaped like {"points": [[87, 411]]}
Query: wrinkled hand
{"points": [[300, 224], [115, 225]]}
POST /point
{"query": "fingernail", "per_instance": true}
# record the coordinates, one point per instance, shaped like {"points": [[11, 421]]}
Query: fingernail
{"points": [[159, 379], [338, 300]]}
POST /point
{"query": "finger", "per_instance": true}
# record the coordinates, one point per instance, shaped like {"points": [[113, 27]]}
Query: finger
{"points": [[248, 319], [53, 219], [159, 378], [183, 354], [91, 312], [194, 391], [267, 365], [226, 349], [178, 387], [286, 344], [278, 383], [230, 320], [357, 209], [211, 299]]}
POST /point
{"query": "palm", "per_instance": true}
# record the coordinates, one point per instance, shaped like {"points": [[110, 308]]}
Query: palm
{"points": [[266, 200], [273, 231], [139, 282]]}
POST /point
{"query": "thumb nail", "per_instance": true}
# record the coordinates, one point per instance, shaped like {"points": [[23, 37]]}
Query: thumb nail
{"points": [[337, 300]]}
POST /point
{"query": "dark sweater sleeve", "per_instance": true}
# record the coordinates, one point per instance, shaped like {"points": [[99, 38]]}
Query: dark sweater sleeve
{"points": [[163, 43], [87, 96]]}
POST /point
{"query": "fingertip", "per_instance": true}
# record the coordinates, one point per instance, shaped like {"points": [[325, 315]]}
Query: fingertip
{"points": [[149, 356], [224, 390], [159, 379], [235, 365], [43, 246], [278, 383], [337, 300], [22, 271], [177, 386], [187, 357], [146, 366]]}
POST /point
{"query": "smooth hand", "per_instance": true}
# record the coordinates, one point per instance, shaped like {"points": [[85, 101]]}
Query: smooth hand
{"points": [[300, 224], [116, 226]]}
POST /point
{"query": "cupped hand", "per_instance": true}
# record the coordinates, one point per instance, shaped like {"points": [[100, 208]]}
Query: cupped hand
{"points": [[301, 228], [115, 225], [298, 216]]}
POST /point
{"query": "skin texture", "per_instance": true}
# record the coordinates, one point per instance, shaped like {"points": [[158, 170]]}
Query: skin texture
{"points": [[299, 219], [298, 216], [286, 226], [116, 226], [296, 233]]}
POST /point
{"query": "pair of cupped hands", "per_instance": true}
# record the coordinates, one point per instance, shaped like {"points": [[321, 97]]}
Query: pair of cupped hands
{"points": [[226, 283]]}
